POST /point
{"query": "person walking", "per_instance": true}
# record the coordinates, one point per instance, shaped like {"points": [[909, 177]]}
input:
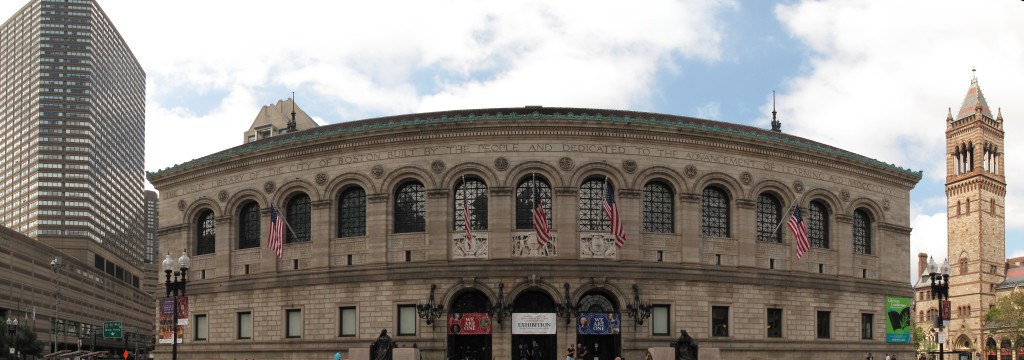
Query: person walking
{"points": [[570, 354], [870, 357], [581, 351]]}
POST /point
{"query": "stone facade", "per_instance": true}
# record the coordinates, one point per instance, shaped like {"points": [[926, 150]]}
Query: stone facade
{"points": [[385, 268]]}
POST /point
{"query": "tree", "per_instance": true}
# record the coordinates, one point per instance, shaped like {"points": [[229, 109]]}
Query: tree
{"points": [[917, 337], [1007, 315], [27, 343]]}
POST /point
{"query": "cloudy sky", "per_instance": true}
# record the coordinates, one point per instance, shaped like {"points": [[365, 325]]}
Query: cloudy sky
{"points": [[872, 77]]}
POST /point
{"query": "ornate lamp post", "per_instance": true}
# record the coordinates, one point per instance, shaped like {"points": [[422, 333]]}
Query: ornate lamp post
{"points": [[501, 310], [940, 291], [175, 287], [430, 311], [567, 309], [12, 329], [638, 310], [56, 264]]}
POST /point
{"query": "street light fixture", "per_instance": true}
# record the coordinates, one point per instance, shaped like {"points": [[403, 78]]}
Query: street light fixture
{"points": [[175, 287], [638, 309], [430, 311], [501, 310], [940, 291], [12, 329], [56, 264]]}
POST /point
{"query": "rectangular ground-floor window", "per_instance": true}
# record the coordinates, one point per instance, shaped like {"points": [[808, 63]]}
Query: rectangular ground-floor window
{"points": [[406, 320], [202, 328], [660, 320], [824, 324], [867, 326], [348, 321], [719, 321], [245, 325], [774, 323], [293, 326]]}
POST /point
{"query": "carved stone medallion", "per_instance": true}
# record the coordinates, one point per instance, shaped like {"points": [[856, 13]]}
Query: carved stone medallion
{"points": [[746, 178], [181, 205], [377, 171], [885, 204], [798, 186], [222, 195], [690, 171], [438, 166], [566, 163], [629, 166], [501, 163], [845, 195], [321, 179], [269, 186]]}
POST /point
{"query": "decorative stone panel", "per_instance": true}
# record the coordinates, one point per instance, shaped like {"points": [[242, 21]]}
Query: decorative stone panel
{"points": [[206, 262], [464, 249], [724, 248], [524, 244], [767, 251], [597, 246], [414, 243], [296, 251], [825, 257]]}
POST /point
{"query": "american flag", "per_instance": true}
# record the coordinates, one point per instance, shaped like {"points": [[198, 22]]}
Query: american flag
{"points": [[796, 223], [612, 210], [465, 214], [540, 219], [276, 232]]}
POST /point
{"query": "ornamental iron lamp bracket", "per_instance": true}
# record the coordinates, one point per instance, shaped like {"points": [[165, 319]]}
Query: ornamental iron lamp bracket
{"points": [[638, 310], [501, 310], [567, 309], [430, 311]]}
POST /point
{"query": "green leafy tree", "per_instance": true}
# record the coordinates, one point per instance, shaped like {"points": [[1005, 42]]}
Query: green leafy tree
{"points": [[24, 342], [918, 337], [1008, 315]]}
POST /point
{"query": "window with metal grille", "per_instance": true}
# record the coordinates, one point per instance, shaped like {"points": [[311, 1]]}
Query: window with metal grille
{"points": [[592, 216], [249, 226], [298, 218], [473, 194], [861, 232], [524, 201], [817, 225], [769, 211], [206, 232], [714, 212], [352, 212], [659, 210], [410, 208]]}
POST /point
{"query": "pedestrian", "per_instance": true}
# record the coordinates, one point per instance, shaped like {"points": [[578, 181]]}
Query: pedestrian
{"points": [[648, 356], [870, 357], [887, 357], [337, 356], [570, 354], [581, 351]]}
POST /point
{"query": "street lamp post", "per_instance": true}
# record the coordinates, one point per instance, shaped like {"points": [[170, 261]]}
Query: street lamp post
{"points": [[12, 330], [940, 291], [56, 264], [176, 287]]}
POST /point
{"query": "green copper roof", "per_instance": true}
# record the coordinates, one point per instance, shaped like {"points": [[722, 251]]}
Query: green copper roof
{"points": [[528, 114]]}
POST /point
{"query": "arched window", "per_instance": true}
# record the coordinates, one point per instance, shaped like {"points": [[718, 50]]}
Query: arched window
{"points": [[410, 208], [249, 226], [817, 225], [968, 205], [861, 232], [298, 219], [596, 302], [659, 209], [920, 317], [592, 216], [714, 212], [769, 211], [525, 201], [473, 194], [963, 266], [206, 232], [352, 212]]}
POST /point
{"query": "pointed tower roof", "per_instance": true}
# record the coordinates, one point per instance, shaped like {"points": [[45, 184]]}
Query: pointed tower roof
{"points": [[974, 99]]}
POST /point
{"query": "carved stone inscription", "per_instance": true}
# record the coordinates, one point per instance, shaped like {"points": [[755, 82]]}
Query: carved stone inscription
{"points": [[597, 246], [463, 249], [524, 244], [559, 148]]}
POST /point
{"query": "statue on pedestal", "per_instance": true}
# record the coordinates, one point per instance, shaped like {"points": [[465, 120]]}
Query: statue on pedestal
{"points": [[686, 347], [381, 349]]}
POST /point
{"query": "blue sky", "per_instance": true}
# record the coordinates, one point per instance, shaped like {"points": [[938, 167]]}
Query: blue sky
{"points": [[872, 77]]}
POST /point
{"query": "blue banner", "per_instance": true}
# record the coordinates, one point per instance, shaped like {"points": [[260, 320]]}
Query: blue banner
{"points": [[597, 324]]}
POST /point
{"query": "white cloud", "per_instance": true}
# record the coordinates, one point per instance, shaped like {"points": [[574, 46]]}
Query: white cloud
{"points": [[709, 111], [882, 74], [929, 237]]}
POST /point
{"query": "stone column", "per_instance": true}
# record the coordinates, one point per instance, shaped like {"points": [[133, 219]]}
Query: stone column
{"points": [[268, 259], [224, 241], [565, 219], [501, 220], [320, 234], [688, 220], [630, 213], [743, 229], [438, 225], [842, 237], [377, 228]]}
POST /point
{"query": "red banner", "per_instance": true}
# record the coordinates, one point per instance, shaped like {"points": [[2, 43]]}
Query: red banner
{"points": [[469, 324], [946, 313]]}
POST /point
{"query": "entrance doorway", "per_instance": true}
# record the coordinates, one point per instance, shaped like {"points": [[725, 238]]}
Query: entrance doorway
{"points": [[598, 326], [469, 327], [533, 327]]}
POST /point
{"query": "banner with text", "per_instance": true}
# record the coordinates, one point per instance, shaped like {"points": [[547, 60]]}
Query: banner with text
{"points": [[469, 324], [166, 319], [183, 310], [597, 324], [897, 320], [533, 323]]}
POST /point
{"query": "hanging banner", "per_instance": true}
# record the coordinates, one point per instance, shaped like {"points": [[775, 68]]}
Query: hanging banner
{"points": [[897, 320], [183, 310], [469, 324], [533, 324], [597, 324], [166, 319]]}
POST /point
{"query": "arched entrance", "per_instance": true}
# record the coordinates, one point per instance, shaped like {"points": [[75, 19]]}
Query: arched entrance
{"points": [[598, 326], [533, 327], [469, 327], [990, 349]]}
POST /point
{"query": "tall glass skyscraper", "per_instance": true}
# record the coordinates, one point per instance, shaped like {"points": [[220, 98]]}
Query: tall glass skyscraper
{"points": [[72, 111]]}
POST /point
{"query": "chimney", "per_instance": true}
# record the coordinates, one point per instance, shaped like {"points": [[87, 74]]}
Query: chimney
{"points": [[922, 263]]}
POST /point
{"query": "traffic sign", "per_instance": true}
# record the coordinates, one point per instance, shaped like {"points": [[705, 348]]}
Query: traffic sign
{"points": [[111, 329]]}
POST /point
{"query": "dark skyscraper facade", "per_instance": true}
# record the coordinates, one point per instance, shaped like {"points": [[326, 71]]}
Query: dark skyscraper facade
{"points": [[72, 109]]}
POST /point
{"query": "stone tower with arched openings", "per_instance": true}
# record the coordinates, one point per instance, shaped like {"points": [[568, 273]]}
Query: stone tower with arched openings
{"points": [[975, 194]]}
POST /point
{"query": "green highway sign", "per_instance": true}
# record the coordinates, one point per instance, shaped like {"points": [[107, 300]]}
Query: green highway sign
{"points": [[111, 329]]}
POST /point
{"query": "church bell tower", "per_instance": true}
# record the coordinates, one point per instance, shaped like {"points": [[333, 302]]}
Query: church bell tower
{"points": [[975, 194]]}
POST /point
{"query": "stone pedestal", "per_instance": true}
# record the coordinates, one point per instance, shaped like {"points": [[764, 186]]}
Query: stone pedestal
{"points": [[406, 354], [708, 354], [359, 354], [667, 353]]}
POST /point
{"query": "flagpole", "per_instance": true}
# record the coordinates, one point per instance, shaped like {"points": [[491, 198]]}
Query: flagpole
{"points": [[465, 211], [783, 220], [285, 221]]}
